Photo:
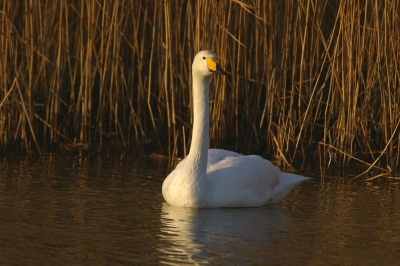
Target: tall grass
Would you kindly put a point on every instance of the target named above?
(310, 79)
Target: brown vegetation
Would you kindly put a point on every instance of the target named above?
(310, 78)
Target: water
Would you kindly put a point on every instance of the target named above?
(65, 209)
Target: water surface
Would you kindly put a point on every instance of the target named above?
(63, 209)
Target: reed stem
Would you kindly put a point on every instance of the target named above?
(306, 71)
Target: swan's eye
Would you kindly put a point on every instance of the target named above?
(204, 57)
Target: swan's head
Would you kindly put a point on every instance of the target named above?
(205, 64)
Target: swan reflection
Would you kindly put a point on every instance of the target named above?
(200, 236)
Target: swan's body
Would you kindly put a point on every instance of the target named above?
(220, 178)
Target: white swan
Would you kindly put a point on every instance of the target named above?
(220, 178)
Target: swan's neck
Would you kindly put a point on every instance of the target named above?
(198, 153)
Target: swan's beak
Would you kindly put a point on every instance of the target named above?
(213, 66)
(220, 71)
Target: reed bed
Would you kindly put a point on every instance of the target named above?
(308, 79)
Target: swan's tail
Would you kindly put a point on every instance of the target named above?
(287, 182)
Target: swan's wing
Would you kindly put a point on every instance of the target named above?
(241, 181)
(287, 182)
(216, 155)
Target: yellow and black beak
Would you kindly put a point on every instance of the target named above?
(213, 66)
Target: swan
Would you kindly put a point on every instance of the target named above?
(208, 178)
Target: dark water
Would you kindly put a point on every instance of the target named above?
(63, 209)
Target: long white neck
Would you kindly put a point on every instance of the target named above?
(199, 147)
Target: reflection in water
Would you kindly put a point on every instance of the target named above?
(337, 222)
(193, 235)
(79, 209)
(107, 209)
(178, 228)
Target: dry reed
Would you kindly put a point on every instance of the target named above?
(306, 76)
